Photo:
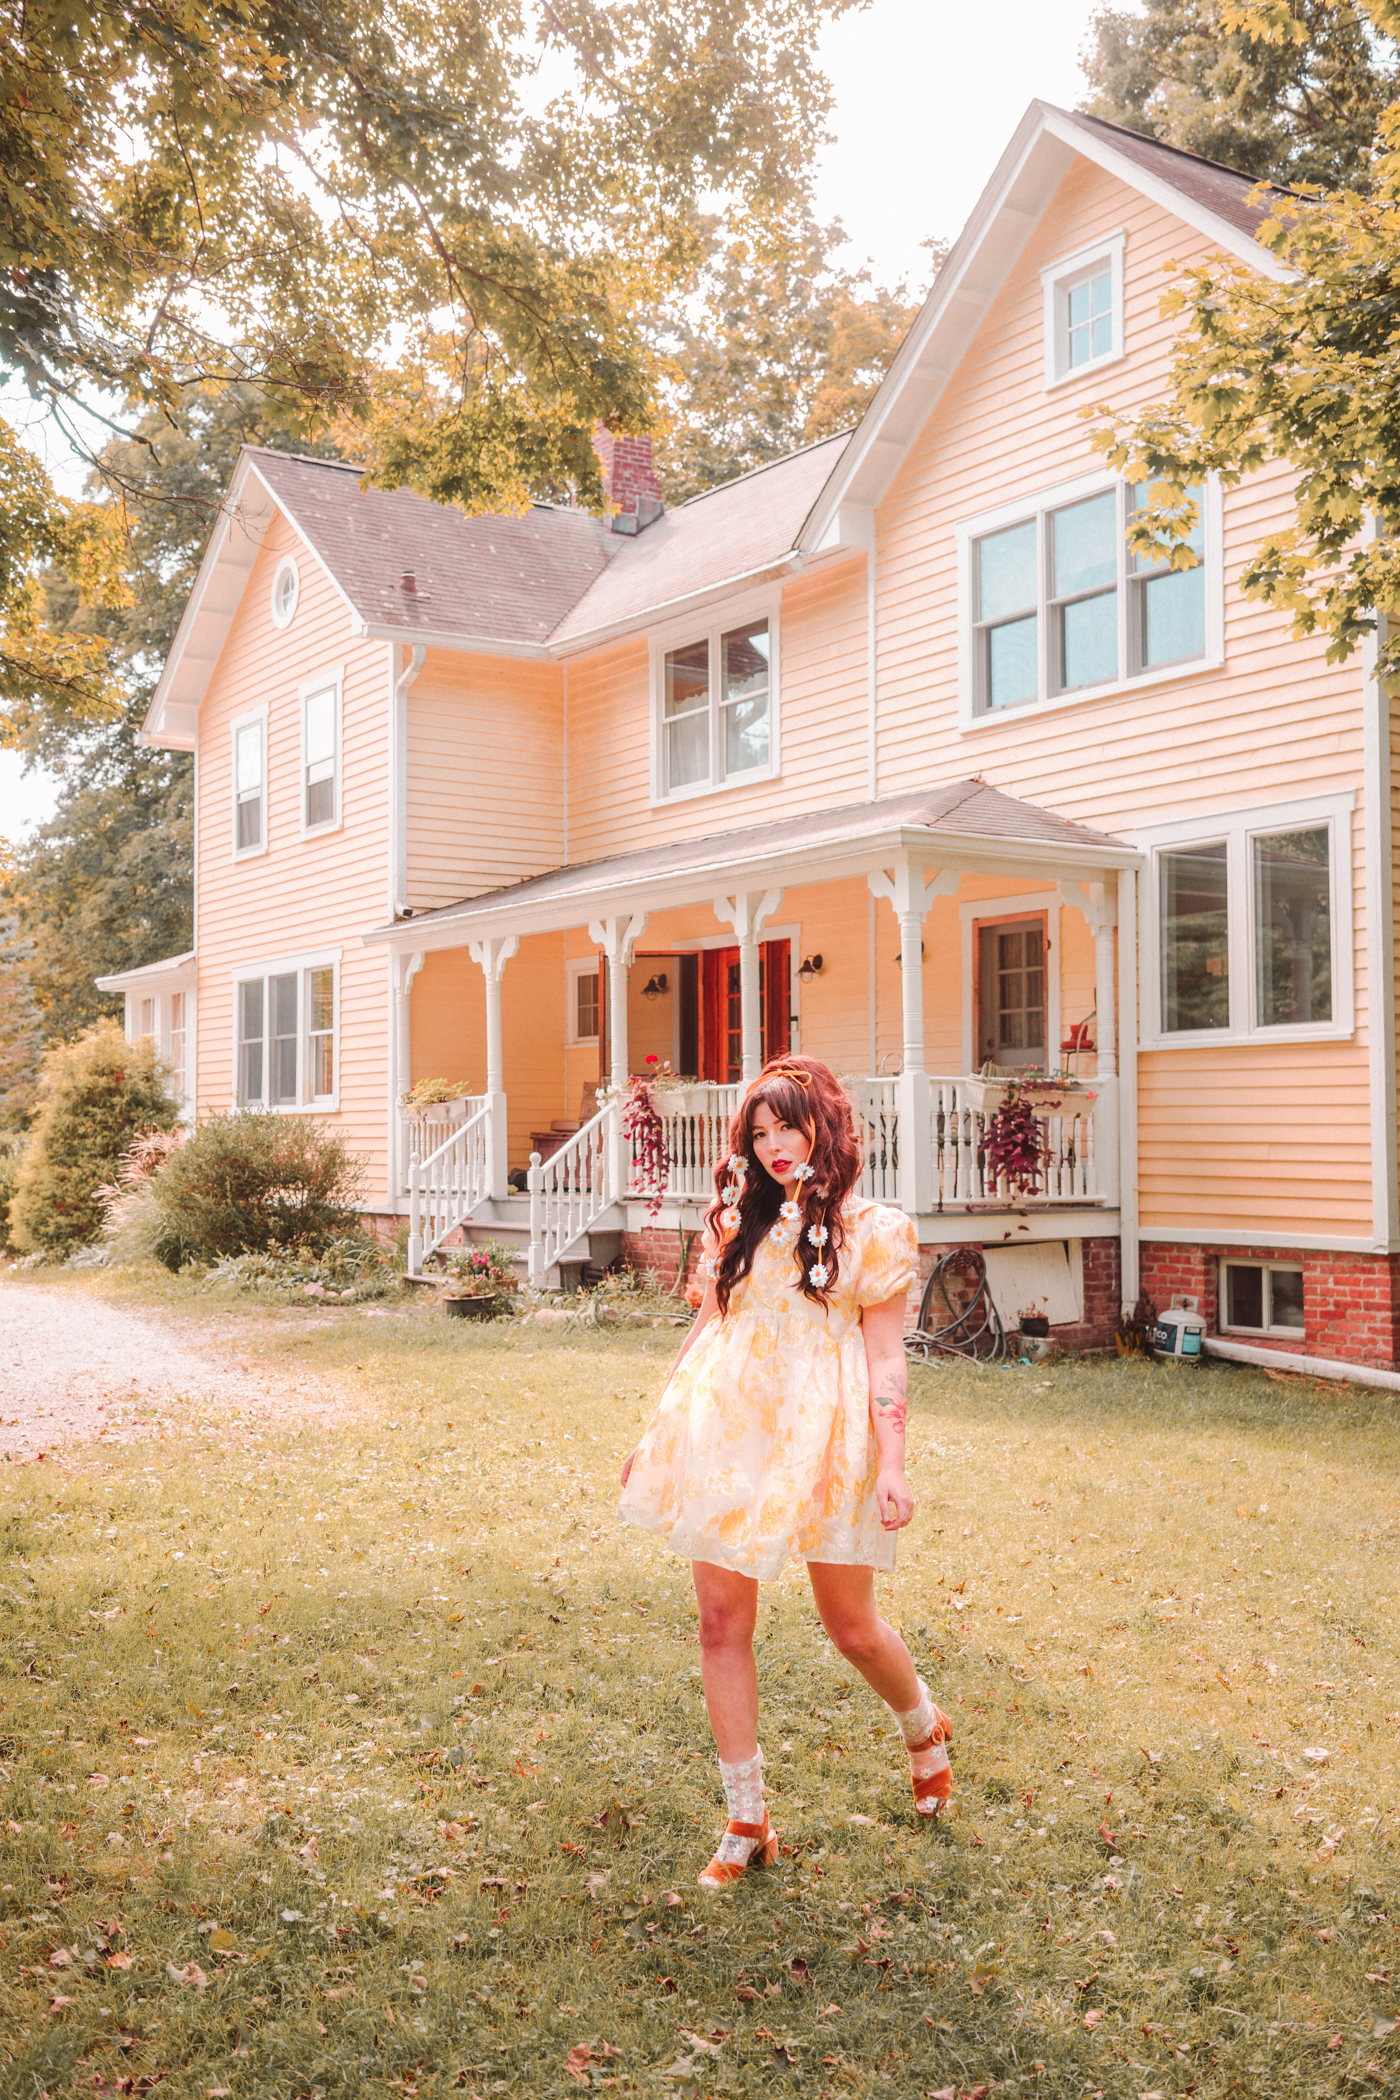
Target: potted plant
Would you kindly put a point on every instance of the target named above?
(1013, 1144)
(1053, 1095)
(674, 1093)
(482, 1282)
(445, 1099)
(1033, 1322)
(1133, 1334)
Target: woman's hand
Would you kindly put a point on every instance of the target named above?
(627, 1464)
(893, 1498)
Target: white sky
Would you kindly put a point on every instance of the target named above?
(927, 94)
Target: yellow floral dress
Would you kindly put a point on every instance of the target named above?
(760, 1450)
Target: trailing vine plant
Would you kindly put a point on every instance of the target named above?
(1013, 1146)
(641, 1122)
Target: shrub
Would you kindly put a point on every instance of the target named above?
(132, 1223)
(11, 1149)
(251, 1181)
(95, 1094)
(352, 1269)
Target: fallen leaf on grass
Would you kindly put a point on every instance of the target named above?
(595, 1881)
(120, 1961)
(191, 1973)
(221, 1942)
(1381, 2028)
(746, 1992)
(1317, 1756)
(1330, 1843)
(829, 2012)
(58, 2004)
(799, 1971)
(60, 1958)
(1092, 2019)
(1336, 2042)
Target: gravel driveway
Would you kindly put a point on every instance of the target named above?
(72, 1369)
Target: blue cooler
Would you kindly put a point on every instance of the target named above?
(1180, 1332)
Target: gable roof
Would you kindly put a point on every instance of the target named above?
(965, 820)
(1205, 195)
(553, 581)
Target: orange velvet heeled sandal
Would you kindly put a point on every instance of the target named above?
(929, 1768)
(721, 1872)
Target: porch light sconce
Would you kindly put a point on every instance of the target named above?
(899, 954)
(654, 986)
(809, 967)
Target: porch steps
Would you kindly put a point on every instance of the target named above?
(507, 1220)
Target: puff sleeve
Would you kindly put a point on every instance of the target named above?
(889, 1256)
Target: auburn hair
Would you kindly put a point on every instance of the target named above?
(805, 1093)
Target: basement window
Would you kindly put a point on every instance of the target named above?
(1261, 1297)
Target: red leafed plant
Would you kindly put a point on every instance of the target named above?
(1014, 1144)
(643, 1125)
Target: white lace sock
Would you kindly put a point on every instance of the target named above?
(917, 1726)
(743, 1797)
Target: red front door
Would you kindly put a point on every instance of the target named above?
(720, 1029)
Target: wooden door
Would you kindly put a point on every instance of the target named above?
(1011, 956)
(719, 1032)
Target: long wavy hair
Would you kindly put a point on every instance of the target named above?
(806, 1093)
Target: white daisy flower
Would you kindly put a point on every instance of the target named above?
(818, 1235)
(789, 1213)
(819, 1274)
(804, 1172)
(730, 1192)
(729, 1219)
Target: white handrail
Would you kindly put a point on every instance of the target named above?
(446, 1187)
(875, 1112)
(570, 1190)
(1068, 1173)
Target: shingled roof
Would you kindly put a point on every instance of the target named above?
(1224, 191)
(960, 809)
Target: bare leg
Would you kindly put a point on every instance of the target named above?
(728, 1614)
(845, 1598)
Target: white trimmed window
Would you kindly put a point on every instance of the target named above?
(1083, 296)
(1056, 607)
(320, 755)
(1247, 926)
(179, 1045)
(249, 757)
(286, 589)
(1261, 1297)
(584, 981)
(715, 706)
(285, 1033)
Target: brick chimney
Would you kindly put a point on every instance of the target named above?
(634, 494)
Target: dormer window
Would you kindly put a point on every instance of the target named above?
(1083, 310)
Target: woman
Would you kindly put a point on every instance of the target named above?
(780, 1435)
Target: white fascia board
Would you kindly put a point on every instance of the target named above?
(173, 972)
(203, 626)
(306, 540)
(1010, 207)
(1135, 177)
(792, 866)
(465, 644)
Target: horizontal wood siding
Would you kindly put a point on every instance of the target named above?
(485, 775)
(448, 1030)
(1276, 722)
(301, 894)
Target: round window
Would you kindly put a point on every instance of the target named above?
(285, 586)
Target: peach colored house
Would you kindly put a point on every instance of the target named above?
(887, 751)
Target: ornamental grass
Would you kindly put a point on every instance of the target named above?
(374, 1761)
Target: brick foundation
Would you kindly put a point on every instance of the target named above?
(657, 1249)
(1351, 1302)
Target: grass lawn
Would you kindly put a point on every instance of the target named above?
(374, 1759)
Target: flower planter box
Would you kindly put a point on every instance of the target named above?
(438, 1112)
(987, 1095)
(683, 1100)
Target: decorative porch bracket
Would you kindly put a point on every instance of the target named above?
(493, 954)
(911, 890)
(1099, 905)
(748, 912)
(617, 937)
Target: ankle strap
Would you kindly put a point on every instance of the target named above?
(747, 1830)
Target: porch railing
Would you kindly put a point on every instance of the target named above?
(945, 1160)
(571, 1189)
(446, 1184)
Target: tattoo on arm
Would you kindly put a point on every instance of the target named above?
(890, 1394)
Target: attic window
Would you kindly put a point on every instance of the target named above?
(1083, 310)
(286, 589)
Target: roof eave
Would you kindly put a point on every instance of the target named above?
(464, 644)
(821, 861)
(1001, 222)
(673, 608)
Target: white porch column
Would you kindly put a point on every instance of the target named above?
(911, 890)
(1099, 904)
(403, 970)
(617, 937)
(748, 912)
(493, 954)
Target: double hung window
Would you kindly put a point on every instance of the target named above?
(286, 1030)
(250, 784)
(1061, 607)
(320, 757)
(584, 991)
(179, 1043)
(1252, 924)
(716, 722)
